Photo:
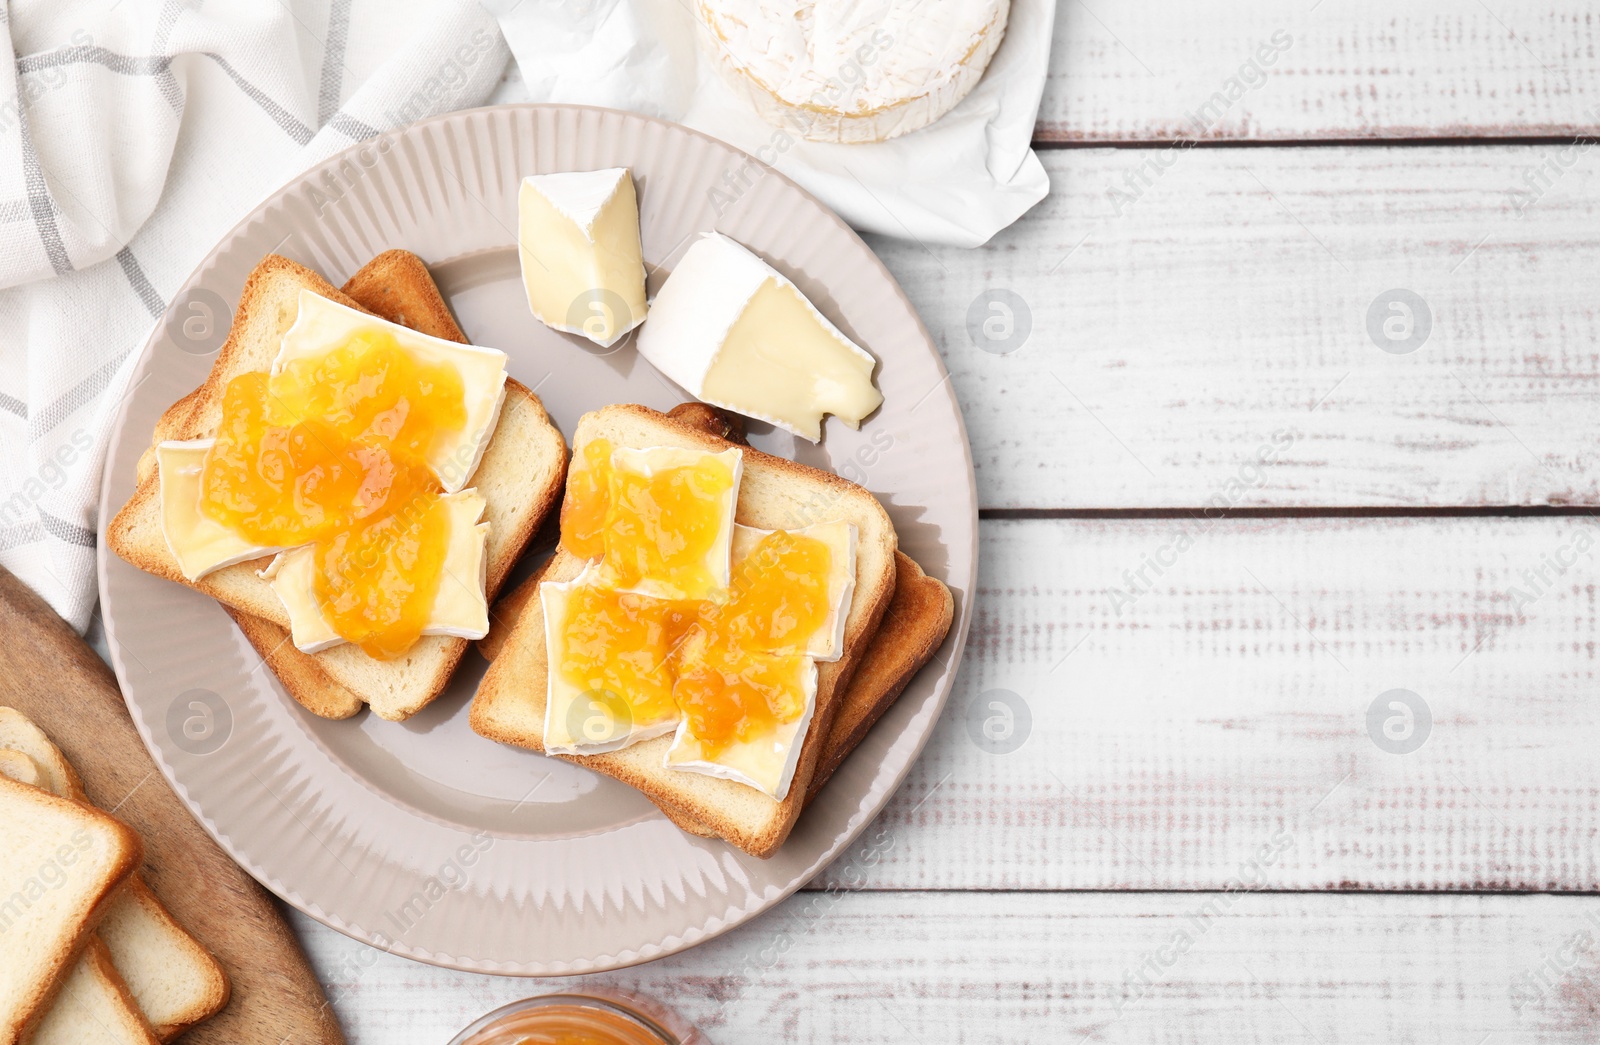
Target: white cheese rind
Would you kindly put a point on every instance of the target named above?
(322, 325)
(579, 196)
(199, 543)
(460, 607)
(844, 71)
(696, 310)
(766, 764)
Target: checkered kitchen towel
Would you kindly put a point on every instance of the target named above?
(133, 135)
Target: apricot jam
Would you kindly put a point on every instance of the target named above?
(625, 644)
(333, 451)
(730, 695)
(583, 512)
(657, 525)
(736, 668)
(778, 596)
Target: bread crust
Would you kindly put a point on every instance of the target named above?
(127, 852)
(768, 497)
(914, 626)
(397, 286)
(18, 734)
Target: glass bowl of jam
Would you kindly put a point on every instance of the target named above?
(612, 1018)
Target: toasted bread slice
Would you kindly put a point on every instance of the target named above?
(912, 630)
(520, 477)
(94, 1006)
(173, 979)
(773, 494)
(60, 866)
(913, 627)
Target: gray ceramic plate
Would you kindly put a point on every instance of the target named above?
(421, 837)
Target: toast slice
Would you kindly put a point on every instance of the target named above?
(520, 477)
(94, 1007)
(174, 981)
(913, 628)
(61, 864)
(773, 494)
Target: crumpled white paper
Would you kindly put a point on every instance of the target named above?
(958, 181)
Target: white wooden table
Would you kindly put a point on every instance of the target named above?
(1227, 511)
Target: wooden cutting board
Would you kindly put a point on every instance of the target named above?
(49, 674)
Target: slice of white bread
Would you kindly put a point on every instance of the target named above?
(773, 494)
(520, 477)
(94, 1007)
(913, 628)
(94, 1004)
(173, 979)
(60, 866)
(22, 769)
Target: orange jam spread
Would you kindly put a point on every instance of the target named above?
(333, 451)
(647, 525)
(733, 663)
(583, 512)
(778, 596)
(624, 644)
(729, 695)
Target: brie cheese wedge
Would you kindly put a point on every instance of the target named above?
(323, 325)
(845, 71)
(735, 333)
(582, 262)
(200, 543)
(460, 607)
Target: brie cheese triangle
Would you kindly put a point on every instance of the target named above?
(737, 334)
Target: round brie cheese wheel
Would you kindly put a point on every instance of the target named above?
(853, 71)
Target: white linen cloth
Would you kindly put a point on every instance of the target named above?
(957, 181)
(134, 134)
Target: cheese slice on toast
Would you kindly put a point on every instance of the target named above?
(520, 477)
(774, 494)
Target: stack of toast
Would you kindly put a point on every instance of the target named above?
(520, 476)
(897, 619)
(88, 954)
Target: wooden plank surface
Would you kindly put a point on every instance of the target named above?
(1164, 726)
(1237, 309)
(899, 968)
(1148, 70)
